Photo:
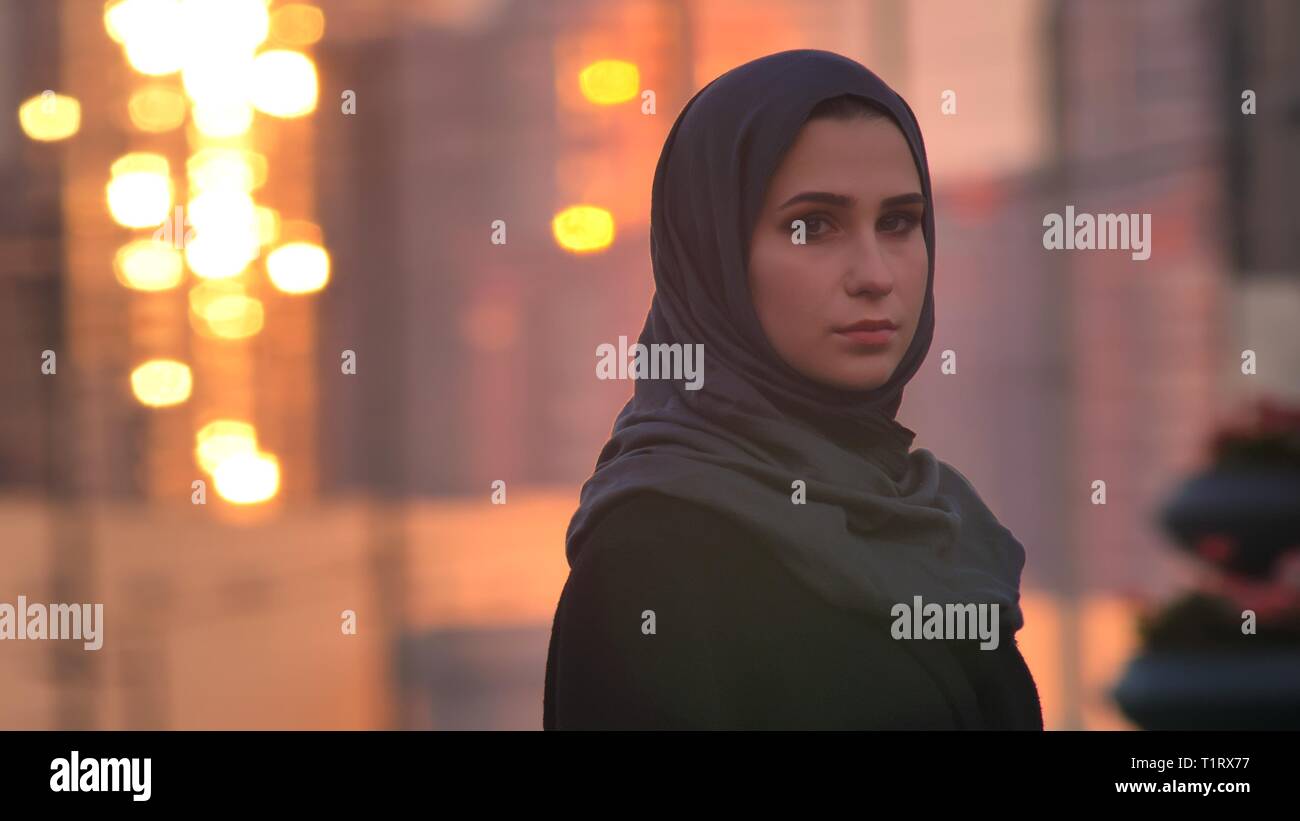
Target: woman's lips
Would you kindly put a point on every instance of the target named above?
(881, 336)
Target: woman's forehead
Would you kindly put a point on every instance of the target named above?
(868, 156)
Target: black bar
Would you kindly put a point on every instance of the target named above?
(1007, 773)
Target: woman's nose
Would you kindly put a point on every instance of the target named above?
(867, 271)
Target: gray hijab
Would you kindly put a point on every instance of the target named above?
(881, 523)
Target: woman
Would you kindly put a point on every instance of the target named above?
(747, 554)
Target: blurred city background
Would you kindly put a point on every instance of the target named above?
(250, 244)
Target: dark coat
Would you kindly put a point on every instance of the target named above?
(740, 643)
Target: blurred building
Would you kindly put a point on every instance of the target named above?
(475, 360)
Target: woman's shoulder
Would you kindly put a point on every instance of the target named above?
(651, 535)
(668, 521)
(632, 643)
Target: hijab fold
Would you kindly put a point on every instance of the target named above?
(881, 523)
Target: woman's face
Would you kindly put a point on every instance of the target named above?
(855, 186)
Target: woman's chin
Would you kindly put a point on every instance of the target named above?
(855, 378)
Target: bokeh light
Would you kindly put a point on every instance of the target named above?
(298, 267)
(150, 32)
(268, 225)
(247, 478)
(117, 18)
(610, 82)
(156, 109)
(161, 382)
(214, 76)
(225, 169)
(231, 317)
(49, 116)
(297, 24)
(140, 190)
(221, 439)
(222, 309)
(226, 234)
(229, 26)
(148, 265)
(222, 118)
(206, 292)
(284, 83)
(583, 228)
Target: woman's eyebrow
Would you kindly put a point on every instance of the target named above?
(903, 199)
(845, 201)
(826, 197)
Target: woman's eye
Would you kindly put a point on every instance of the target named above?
(812, 221)
(898, 223)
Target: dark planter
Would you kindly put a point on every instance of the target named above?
(1197, 669)
(1212, 690)
(1240, 519)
